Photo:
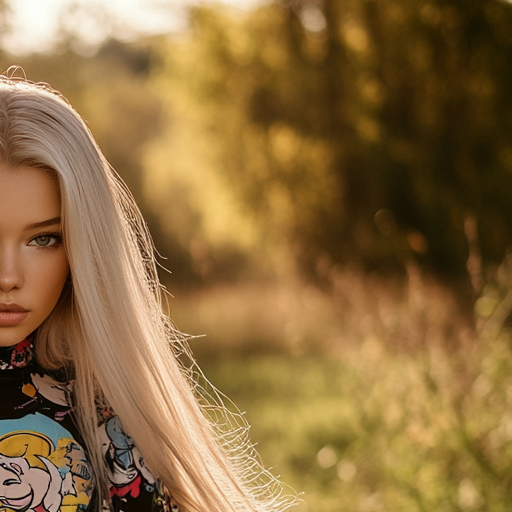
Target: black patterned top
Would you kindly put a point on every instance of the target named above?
(43, 460)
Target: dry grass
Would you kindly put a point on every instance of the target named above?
(371, 394)
(297, 318)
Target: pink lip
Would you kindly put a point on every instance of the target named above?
(12, 308)
(12, 314)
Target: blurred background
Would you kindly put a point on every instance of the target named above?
(330, 184)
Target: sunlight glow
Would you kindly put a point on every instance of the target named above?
(34, 25)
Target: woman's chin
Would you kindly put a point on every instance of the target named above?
(10, 336)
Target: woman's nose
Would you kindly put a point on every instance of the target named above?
(11, 274)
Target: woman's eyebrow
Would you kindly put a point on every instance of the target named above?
(44, 223)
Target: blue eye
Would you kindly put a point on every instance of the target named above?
(46, 240)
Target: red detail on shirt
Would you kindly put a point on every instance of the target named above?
(22, 353)
(133, 488)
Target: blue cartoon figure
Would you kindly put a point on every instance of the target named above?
(126, 467)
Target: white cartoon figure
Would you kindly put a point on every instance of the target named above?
(44, 386)
(29, 480)
(54, 391)
(23, 488)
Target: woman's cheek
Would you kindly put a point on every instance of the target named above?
(51, 276)
(59, 274)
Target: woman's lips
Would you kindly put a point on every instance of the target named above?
(11, 318)
(12, 314)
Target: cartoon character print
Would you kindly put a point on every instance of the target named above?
(76, 476)
(36, 476)
(43, 387)
(75, 471)
(162, 500)
(29, 488)
(127, 470)
(20, 356)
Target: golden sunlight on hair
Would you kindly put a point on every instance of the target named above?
(138, 410)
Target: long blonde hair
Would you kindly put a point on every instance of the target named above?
(109, 325)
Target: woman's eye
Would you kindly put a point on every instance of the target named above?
(45, 240)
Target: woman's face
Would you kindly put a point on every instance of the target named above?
(33, 263)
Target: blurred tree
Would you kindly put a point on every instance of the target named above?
(347, 130)
(308, 131)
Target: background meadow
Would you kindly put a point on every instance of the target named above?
(330, 184)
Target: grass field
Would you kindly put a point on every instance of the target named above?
(410, 415)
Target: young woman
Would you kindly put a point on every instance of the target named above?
(96, 411)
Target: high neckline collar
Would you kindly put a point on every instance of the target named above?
(17, 356)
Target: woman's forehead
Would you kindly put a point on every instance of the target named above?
(27, 196)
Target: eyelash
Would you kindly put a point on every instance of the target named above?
(56, 236)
